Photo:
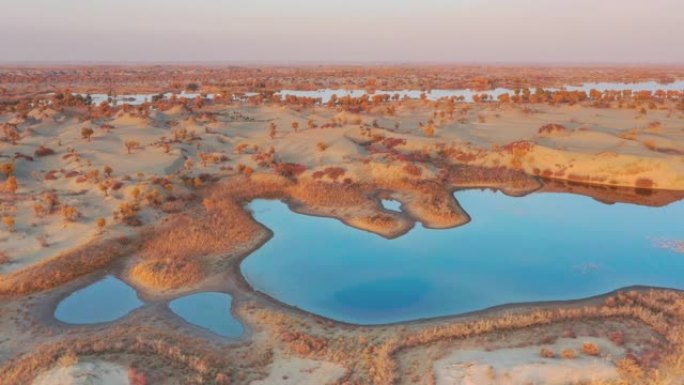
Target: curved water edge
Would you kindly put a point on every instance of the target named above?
(210, 311)
(106, 300)
(501, 257)
(110, 299)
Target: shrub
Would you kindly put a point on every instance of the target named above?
(43, 151)
(7, 168)
(87, 133)
(412, 169)
(289, 170)
(590, 349)
(322, 146)
(546, 353)
(11, 184)
(9, 222)
(617, 338)
(127, 212)
(551, 128)
(650, 144)
(568, 353)
(70, 213)
(644, 183)
(131, 145)
(101, 223)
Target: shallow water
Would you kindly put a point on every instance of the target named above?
(542, 247)
(326, 94)
(103, 301)
(210, 311)
(391, 204)
(138, 99)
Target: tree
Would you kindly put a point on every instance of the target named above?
(69, 213)
(87, 133)
(108, 171)
(131, 145)
(101, 223)
(104, 187)
(11, 184)
(273, 130)
(9, 222)
(11, 134)
(295, 126)
(7, 168)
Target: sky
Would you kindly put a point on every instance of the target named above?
(343, 31)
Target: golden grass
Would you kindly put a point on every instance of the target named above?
(150, 350)
(166, 273)
(66, 267)
(662, 311)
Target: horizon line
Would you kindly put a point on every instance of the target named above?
(368, 63)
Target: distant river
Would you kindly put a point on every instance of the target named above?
(326, 94)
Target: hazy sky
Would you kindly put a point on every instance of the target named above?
(343, 30)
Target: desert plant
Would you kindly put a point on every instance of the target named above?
(7, 168)
(11, 184)
(101, 223)
(9, 222)
(273, 130)
(568, 353)
(546, 353)
(590, 349)
(39, 210)
(70, 213)
(43, 151)
(131, 145)
(87, 133)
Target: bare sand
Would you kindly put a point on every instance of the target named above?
(95, 372)
(525, 366)
(300, 371)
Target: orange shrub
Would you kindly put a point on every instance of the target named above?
(590, 349)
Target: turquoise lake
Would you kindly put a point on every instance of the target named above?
(542, 247)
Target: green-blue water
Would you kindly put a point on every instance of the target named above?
(537, 248)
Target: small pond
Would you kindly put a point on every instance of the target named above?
(103, 301)
(210, 311)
